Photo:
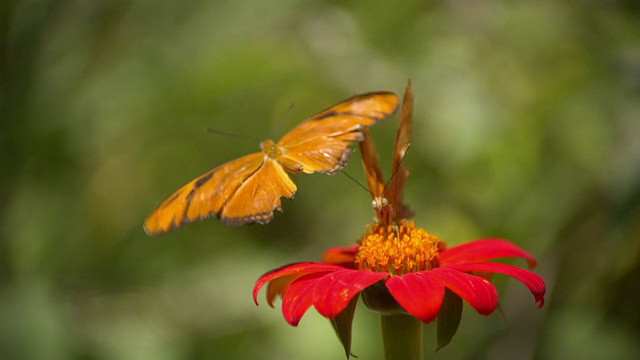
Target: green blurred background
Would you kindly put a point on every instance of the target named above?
(527, 126)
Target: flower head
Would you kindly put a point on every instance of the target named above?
(397, 267)
(398, 249)
(415, 270)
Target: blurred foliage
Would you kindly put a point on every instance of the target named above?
(527, 120)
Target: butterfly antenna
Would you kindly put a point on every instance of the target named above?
(395, 171)
(356, 181)
(282, 121)
(225, 133)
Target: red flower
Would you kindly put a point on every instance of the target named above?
(397, 268)
(414, 270)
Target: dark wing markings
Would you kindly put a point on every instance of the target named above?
(334, 113)
(242, 220)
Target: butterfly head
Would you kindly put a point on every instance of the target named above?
(271, 149)
(379, 202)
(384, 212)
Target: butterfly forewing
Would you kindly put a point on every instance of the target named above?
(374, 105)
(203, 196)
(321, 143)
(403, 138)
(348, 116)
(371, 165)
(375, 179)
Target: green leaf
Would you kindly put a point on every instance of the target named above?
(342, 324)
(502, 314)
(448, 318)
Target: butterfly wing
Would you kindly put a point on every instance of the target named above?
(321, 143)
(212, 193)
(259, 194)
(375, 180)
(399, 177)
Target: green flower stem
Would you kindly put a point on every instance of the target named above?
(402, 337)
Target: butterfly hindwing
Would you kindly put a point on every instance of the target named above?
(258, 196)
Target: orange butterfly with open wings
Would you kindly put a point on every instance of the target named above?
(387, 199)
(248, 189)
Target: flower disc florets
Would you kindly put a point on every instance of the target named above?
(398, 249)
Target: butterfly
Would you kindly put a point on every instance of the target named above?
(248, 189)
(388, 199)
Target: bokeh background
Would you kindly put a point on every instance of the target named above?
(527, 127)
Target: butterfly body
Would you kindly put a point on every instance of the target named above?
(248, 189)
(383, 210)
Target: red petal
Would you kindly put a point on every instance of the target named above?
(477, 291)
(299, 297)
(484, 249)
(292, 269)
(530, 280)
(278, 286)
(419, 295)
(334, 291)
(344, 256)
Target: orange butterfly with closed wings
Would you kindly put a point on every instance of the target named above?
(247, 190)
(387, 199)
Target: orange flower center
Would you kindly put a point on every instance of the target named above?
(398, 249)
